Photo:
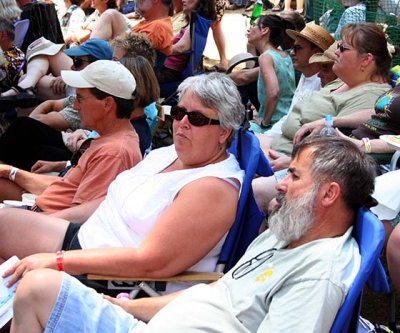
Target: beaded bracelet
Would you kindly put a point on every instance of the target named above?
(367, 145)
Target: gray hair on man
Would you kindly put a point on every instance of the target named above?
(339, 160)
(218, 92)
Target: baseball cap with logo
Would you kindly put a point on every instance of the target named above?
(97, 48)
(108, 76)
(42, 46)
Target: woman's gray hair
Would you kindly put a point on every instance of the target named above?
(218, 92)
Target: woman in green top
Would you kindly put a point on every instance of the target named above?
(276, 83)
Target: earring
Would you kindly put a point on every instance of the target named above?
(362, 69)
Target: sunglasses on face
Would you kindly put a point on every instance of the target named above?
(196, 118)
(78, 62)
(342, 48)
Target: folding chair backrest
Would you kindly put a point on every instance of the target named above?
(369, 234)
(199, 27)
(246, 148)
(21, 28)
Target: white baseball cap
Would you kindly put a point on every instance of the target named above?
(108, 76)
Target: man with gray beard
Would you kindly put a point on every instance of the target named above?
(293, 277)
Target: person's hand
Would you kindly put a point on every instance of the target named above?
(48, 166)
(58, 85)
(123, 303)
(277, 161)
(35, 261)
(307, 129)
(74, 140)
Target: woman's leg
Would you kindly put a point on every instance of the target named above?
(34, 300)
(288, 4)
(110, 25)
(23, 233)
(220, 42)
(393, 257)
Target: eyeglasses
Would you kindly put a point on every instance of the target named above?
(196, 118)
(78, 62)
(342, 48)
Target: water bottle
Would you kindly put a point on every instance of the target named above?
(257, 10)
(328, 130)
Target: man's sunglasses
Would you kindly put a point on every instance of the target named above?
(78, 62)
(342, 48)
(196, 118)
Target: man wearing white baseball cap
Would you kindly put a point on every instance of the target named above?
(104, 100)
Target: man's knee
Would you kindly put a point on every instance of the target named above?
(36, 285)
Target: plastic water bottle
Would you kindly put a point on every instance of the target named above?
(328, 130)
(257, 10)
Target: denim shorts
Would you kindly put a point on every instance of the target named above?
(81, 309)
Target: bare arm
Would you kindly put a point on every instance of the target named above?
(377, 146)
(30, 182)
(145, 308)
(183, 44)
(245, 76)
(185, 232)
(350, 121)
(48, 113)
(79, 213)
(271, 86)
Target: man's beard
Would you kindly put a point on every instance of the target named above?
(293, 219)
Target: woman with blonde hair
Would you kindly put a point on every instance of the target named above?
(9, 10)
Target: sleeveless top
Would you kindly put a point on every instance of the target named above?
(137, 197)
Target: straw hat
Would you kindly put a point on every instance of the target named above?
(314, 34)
(42, 46)
(328, 56)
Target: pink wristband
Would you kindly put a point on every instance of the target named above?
(60, 260)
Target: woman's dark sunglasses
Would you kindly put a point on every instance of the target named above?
(342, 48)
(196, 118)
(78, 62)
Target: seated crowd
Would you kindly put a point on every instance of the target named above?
(119, 207)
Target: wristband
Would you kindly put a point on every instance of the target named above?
(12, 174)
(60, 260)
(367, 145)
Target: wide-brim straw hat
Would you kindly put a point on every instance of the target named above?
(42, 46)
(314, 34)
(327, 57)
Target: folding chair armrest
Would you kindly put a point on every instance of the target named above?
(183, 277)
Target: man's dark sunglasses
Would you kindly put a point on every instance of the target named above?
(78, 61)
(196, 118)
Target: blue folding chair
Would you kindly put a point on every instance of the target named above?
(21, 28)
(199, 27)
(369, 234)
(245, 228)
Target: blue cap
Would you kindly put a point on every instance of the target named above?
(98, 48)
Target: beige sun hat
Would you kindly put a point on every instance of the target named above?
(327, 57)
(314, 34)
(42, 46)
